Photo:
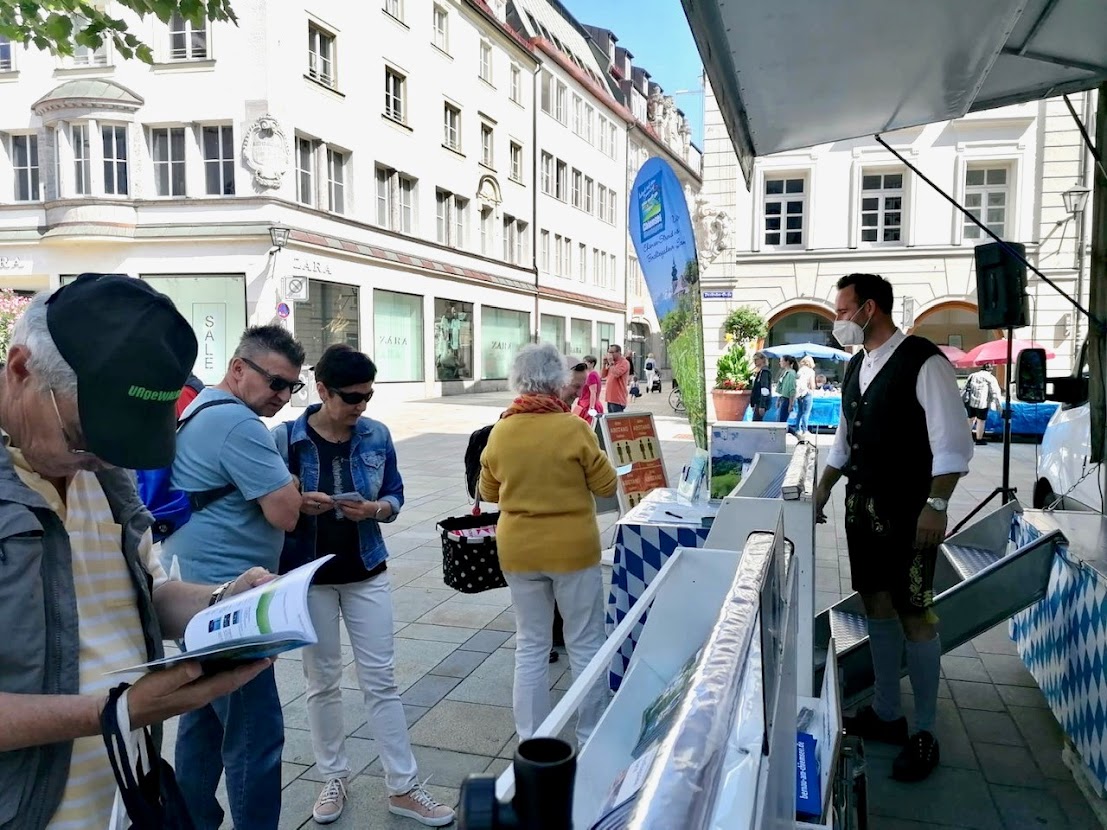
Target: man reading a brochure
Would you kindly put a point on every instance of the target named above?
(86, 394)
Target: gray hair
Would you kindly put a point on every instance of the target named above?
(539, 369)
(46, 362)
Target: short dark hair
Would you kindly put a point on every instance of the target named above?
(257, 340)
(342, 366)
(589, 358)
(869, 287)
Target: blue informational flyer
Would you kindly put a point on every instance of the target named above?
(809, 799)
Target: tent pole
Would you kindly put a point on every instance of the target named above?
(1097, 299)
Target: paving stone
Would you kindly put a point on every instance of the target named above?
(465, 727)
(409, 603)
(964, 668)
(1073, 804)
(992, 727)
(290, 772)
(403, 571)
(297, 801)
(414, 658)
(462, 614)
(943, 687)
(428, 690)
(411, 715)
(1008, 765)
(954, 797)
(460, 663)
(1022, 696)
(1045, 738)
(497, 596)
(491, 682)
(445, 767)
(504, 622)
(486, 641)
(1029, 808)
(498, 766)
(969, 695)
(437, 633)
(353, 712)
(1008, 670)
(963, 650)
(361, 752)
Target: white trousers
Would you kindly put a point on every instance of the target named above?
(366, 608)
(579, 596)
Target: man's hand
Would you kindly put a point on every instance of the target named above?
(315, 503)
(822, 496)
(932, 528)
(251, 579)
(172, 691)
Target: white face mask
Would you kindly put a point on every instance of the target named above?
(849, 333)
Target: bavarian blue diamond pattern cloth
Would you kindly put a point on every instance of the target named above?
(1063, 641)
(640, 552)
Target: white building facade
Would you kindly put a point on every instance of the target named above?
(813, 215)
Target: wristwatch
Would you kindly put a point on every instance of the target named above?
(218, 594)
(937, 504)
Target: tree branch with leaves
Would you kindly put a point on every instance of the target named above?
(60, 26)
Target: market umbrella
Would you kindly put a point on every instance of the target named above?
(952, 353)
(815, 350)
(995, 351)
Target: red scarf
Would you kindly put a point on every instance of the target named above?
(535, 405)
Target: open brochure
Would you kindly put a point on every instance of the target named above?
(262, 622)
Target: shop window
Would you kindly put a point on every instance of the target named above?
(398, 336)
(329, 316)
(502, 334)
(606, 333)
(453, 340)
(580, 337)
(552, 331)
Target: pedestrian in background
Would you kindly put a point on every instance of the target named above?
(980, 395)
(616, 371)
(786, 388)
(761, 398)
(805, 398)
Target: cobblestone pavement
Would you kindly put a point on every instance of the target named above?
(1001, 747)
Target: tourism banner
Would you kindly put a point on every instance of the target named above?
(666, 245)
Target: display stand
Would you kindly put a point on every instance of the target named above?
(631, 442)
(734, 445)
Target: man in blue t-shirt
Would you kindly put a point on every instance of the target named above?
(227, 444)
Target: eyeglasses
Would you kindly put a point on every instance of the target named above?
(65, 433)
(352, 398)
(276, 382)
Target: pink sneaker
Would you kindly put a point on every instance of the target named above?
(421, 806)
(331, 801)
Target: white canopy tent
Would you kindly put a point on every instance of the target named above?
(795, 73)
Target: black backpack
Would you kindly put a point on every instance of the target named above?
(477, 442)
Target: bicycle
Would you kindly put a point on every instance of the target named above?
(676, 400)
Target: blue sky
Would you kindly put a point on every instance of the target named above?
(656, 32)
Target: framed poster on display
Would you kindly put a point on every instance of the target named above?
(631, 441)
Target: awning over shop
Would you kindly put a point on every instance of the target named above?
(795, 73)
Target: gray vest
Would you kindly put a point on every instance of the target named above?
(39, 646)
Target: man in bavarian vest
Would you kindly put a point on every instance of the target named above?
(902, 445)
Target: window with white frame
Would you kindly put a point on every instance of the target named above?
(305, 170)
(516, 161)
(547, 174)
(568, 258)
(451, 126)
(321, 55)
(589, 118)
(82, 159)
(546, 85)
(452, 217)
(442, 221)
(167, 151)
(7, 56)
(514, 240)
(559, 267)
(582, 262)
(336, 181)
(599, 263)
(544, 251)
(602, 213)
(611, 272)
(116, 178)
(987, 193)
(441, 21)
(516, 90)
(602, 126)
(218, 147)
(578, 188)
(394, 94)
(395, 200)
(882, 207)
(612, 140)
(562, 183)
(559, 103)
(487, 231)
(611, 200)
(785, 210)
(187, 41)
(589, 194)
(486, 61)
(487, 145)
(24, 153)
(87, 55)
(395, 8)
(578, 115)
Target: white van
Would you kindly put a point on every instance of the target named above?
(1065, 478)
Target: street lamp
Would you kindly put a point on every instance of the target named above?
(279, 236)
(1075, 198)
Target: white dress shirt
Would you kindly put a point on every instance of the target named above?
(938, 395)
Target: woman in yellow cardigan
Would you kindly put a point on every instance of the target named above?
(542, 466)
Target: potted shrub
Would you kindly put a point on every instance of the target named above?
(731, 395)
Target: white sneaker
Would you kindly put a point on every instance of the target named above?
(421, 806)
(331, 801)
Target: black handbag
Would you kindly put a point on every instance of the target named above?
(152, 797)
(470, 562)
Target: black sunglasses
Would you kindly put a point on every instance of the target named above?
(352, 398)
(276, 382)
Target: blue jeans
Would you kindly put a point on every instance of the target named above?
(244, 734)
(803, 413)
(784, 407)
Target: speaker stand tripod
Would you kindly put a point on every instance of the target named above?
(1005, 490)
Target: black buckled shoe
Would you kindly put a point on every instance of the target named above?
(918, 758)
(869, 726)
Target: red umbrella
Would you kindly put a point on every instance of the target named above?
(995, 351)
(952, 353)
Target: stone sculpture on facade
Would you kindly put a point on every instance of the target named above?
(712, 227)
(265, 150)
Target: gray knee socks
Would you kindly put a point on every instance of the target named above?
(924, 660)
(886, 645)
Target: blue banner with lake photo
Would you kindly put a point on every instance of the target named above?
(662, 233)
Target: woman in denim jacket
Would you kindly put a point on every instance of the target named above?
(347, 468)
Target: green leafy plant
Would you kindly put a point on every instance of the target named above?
(733, 371)
(59, 26)
(744, 325)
